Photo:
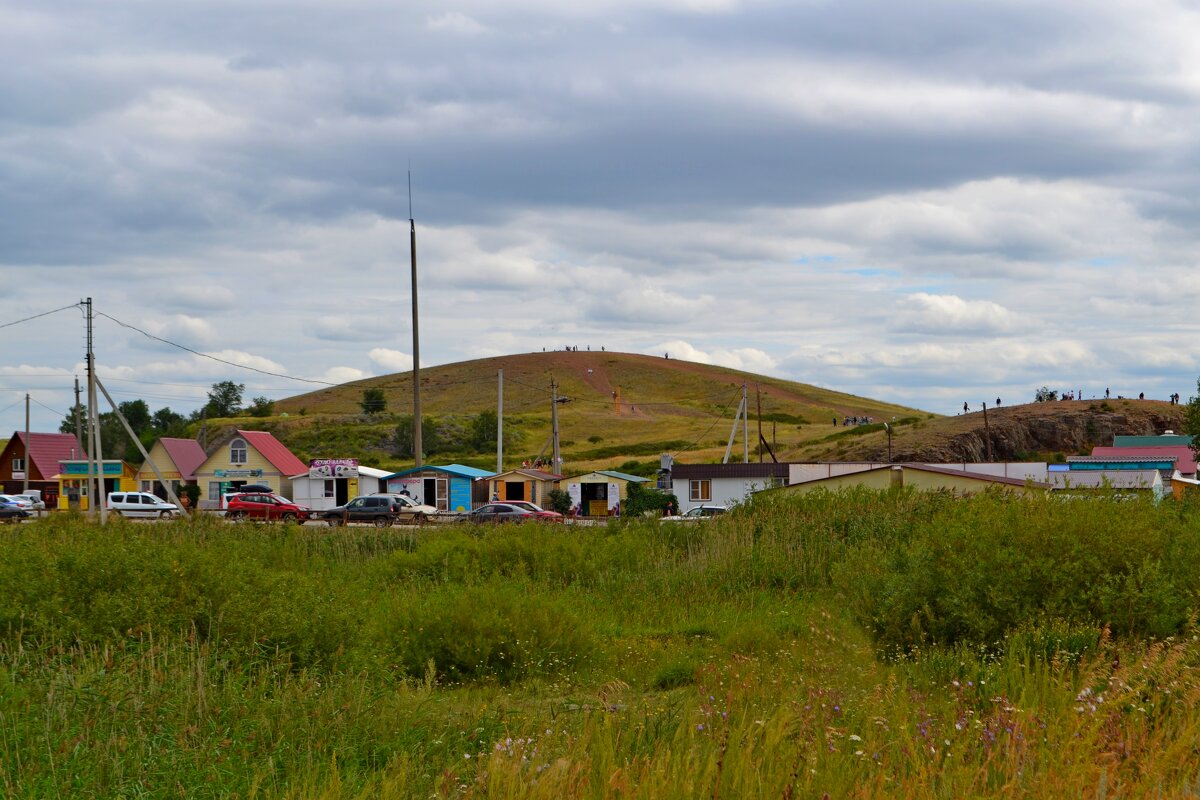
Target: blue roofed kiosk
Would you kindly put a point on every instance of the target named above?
(453, 487)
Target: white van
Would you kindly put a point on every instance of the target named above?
(140, 504)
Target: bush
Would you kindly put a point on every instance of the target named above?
(558, 500)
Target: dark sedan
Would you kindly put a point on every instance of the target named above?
(11, 512)
(380, 510)
(497, 513)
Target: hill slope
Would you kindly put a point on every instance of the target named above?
(621, 406)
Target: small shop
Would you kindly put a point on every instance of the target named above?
(73, 481)
(453, 487)
(599, 493)
(176, 460)
(530, 485)
(332, 482)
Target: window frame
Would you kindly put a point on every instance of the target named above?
(234, 451)
(700, 490)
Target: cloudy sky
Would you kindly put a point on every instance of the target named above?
(928, 202)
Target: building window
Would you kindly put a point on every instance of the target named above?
(701, 491)
(18, 465)
(330, 489)
(237, 451)
(214, 490)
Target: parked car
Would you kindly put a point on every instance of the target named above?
(10, 511)
(542, 514)
(409, 506)
(35, 498)
(266, 507)
(381, 510)
(140, 505)
(697, 514)
(497, 513)
(20, 501)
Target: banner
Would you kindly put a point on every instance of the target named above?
(576, 494)
(333, 468)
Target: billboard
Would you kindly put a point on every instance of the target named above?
(333, 468)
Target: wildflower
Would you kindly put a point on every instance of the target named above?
(854, 737)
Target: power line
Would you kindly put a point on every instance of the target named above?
(35, 316)
(13, 405)
(48, 408)
(212, 357)
(725, 408)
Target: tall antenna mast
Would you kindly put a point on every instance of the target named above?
(418, 456)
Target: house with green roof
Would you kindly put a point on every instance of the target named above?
(599, 493)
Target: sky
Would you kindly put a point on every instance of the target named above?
(929, 203)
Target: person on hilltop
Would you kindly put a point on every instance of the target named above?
(966, 408)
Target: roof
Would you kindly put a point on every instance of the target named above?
(459, 470)
(612, 473)
(1185, 460)
(1116, 479)
(1163, 440)
(273, 451)
(952, 471)
(689, 471)
(536, 474)
(45, 450)
(186, 453)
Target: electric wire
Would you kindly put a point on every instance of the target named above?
(35, 316)
(212, 357)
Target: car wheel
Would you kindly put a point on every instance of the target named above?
(335, 522)
(288, 516)
(420, 519)
(236, 516)
(382, 522)
(164, 515)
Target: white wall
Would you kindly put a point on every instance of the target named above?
(725, 491)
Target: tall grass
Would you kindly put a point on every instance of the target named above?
(856, 644)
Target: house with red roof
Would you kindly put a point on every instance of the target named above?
(176, 460)
(255, 457)
(40, 458)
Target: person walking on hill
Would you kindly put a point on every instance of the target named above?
(966, 409)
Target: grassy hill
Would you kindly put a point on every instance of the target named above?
(622, 408)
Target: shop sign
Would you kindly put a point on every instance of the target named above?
(238, 473)
(333, 468)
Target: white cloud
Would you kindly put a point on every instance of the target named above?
(747, 359)
(344, 374)
(455, 22)
(185, 329)
(391, 360)
(949, 314)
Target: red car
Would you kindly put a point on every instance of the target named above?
(267, 507)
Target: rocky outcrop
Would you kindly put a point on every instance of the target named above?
(1028, 432)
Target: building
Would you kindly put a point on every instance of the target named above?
(119, 476)
(599, 493)
(1165, 439)
(454, 487)
(723, 484)
(40, 462)
(333, 482)
(246, 457)
(1124, 482)
(1165, 458)
(1021, 470)
(176, 460)
(530, 485)
(922, 477)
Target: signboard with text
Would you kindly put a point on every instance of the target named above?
(333, 468)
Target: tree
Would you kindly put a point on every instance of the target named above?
(1045, 395)
(261, 407)
(167, 423)
(373, 401)
(483, 431)
(558, 500)
(225, 399)
(431, 436)
(640, 499)
(1191, 419)
(137, 414)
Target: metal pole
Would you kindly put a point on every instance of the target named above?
(25, 472)
(554, 423)
(745, 426)
(733, 430)
(90, 440)
(500, 422)
(987, 433)
(142, 450)
(75, 411)
(758, 404)
(416, 370)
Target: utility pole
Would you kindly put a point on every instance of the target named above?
(95, 453)
(554, 424)
(204, 427)
(412, 246)
(25, 472)
(500, 422)
(75, 412)
(758, 415)
(745, 426)
(90, 441)
(987, 433)
(129, 430)
(887, 426)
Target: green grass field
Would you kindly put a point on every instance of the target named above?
(850, 645)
